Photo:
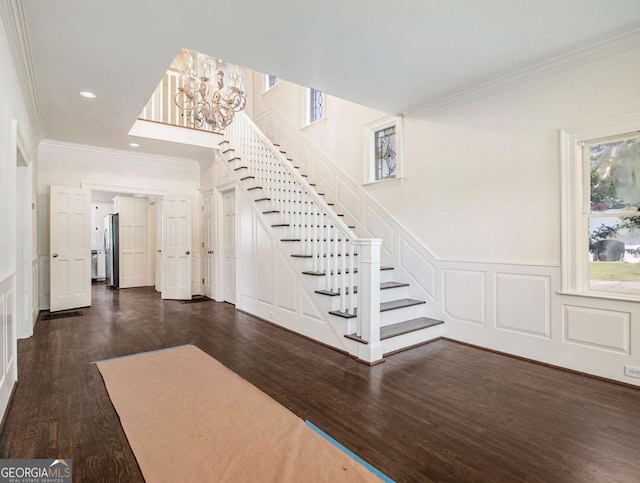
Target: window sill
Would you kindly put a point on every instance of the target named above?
(383, 183)
(318, 123)
(603, 295)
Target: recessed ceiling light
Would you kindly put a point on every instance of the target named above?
(134, 145)
(88, 95)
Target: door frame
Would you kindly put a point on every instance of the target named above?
(219, 283)
(25, 314)
(204, 195)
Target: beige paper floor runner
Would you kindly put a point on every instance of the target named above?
(190, 419)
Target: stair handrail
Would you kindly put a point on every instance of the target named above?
(242, 118)
(365, 307)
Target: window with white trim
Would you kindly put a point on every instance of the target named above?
(271, 81)
(601, 210)
(383, 150)
(315, 105)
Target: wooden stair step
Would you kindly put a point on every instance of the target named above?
(235, 158)
(384, 307)
(309, 226)
(322, 274)
(254, 188)
(407, 326)
(357, 338)
(240, 167)
(383, 286)
(228, 150)
(298, 239)
(262, 199)
(223, 142)
(399, 304)
(304, 255)
(247, 177)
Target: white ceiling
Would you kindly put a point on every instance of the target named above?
(389, 55)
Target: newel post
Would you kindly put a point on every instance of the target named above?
(369, 299)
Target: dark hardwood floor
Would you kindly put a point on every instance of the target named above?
(440, 412)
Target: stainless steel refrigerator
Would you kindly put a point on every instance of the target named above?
(112, 250)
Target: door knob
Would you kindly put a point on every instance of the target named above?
(55, 255)
(159, 251)
(188, 252)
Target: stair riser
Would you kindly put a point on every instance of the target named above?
(410, 339)
(400, 315)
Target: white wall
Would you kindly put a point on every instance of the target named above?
(120, 171)
(481, 201)
(12, 109)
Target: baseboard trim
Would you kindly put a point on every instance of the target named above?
(295, 333)
(546, 364)
(397, 351)
(6, 410)
(367, 363)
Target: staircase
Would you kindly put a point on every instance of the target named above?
(350, 282)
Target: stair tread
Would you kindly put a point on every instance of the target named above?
(323, 226)
(383, 286)
(304, 255)
(357, 338)
(254, 188)
(322, 274)
(407, 326)
(399, 304)
(240, 167)
(384, 307)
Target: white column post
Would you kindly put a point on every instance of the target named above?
(369, 299)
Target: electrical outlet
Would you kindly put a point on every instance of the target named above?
(632, 371)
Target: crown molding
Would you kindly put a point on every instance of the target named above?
(87, 148)
(601, 47)
(15, 25)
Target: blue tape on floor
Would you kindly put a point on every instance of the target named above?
(350, 453)
(140, 353)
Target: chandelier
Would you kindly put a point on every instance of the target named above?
(202, 103)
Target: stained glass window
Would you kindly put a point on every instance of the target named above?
(315, 105)
(272, 80)
(386, 162)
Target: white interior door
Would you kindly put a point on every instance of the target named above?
(229, 229)
(159, 245)
(133, 241)
(208, 247)
(176, 247)
(70, 248)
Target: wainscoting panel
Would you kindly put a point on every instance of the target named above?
(43, 281)
(265, 265)
(222, 174)
(35, 289)
(8, 359)
(325, 176)
(348, 199)
(523, 304)
(464, 295)
(598, 329)
(286, 287)
(416, 265)
(379, 228)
